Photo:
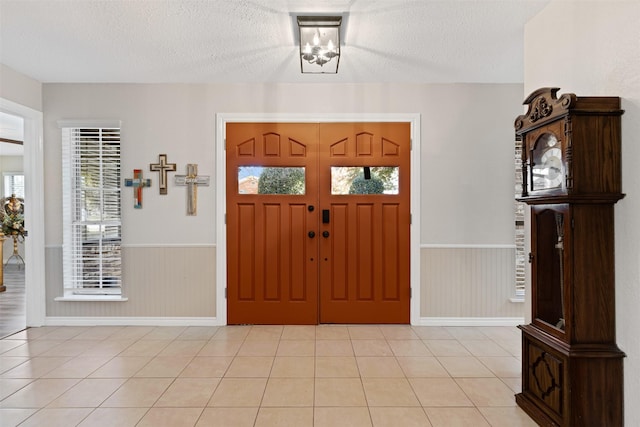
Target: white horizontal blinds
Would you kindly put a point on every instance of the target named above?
(14, 184)
(520, 207)
(93, 236)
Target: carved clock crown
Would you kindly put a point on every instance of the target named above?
(544, 105)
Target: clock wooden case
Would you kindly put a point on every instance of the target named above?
(571, 157)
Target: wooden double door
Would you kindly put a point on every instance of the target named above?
(318, 223)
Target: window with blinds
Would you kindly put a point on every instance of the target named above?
(91, 211)
(14, 184)
(519, 209)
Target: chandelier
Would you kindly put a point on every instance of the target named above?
(319, 43)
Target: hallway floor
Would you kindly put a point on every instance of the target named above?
(13, 317)
(260, 376)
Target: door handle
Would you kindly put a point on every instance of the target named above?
(312, 234)
(325, 234)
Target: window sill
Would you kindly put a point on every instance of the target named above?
(517, 300)
(93, 298)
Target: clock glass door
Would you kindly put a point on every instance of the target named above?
(548, 274)
(544, 156)
(546, 166)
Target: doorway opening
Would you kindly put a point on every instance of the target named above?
(359, 248)
(34, 272)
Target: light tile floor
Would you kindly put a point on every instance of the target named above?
(261, 376)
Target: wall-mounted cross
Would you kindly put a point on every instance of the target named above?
(192, 181)
(138, 183)
(162, 167)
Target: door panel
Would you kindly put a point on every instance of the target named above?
(364, 266)
(355, 268)
(271, 260)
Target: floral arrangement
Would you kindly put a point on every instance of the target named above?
(13, 218)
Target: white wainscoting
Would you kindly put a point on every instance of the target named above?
(465, 285)
(174, 284)
(131, 321)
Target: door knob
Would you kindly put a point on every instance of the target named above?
(312, 234)
(325, 234)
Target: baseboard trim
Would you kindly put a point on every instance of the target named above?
(470, 321)
(465, 246)
(132, 321)
(214, 321)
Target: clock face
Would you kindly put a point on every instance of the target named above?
(546, 163)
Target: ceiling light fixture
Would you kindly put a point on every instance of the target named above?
(319, 43)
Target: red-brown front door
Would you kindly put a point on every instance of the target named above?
(364, 267)
(302, 248)
(272, 268)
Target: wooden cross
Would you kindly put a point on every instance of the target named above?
(162, 167)
(138, 183)
(192, 181)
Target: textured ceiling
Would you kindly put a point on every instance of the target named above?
(244, 41)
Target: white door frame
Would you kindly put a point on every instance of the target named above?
(33, 161)
(221, 230)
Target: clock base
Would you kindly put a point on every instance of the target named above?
(534, 411)
(568, 385)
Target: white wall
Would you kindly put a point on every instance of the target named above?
(176, 120)
(466, 166)
(593, 48)
(467, 148)
(20, 89)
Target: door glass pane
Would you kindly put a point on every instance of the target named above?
(271, 180)
(364, 180)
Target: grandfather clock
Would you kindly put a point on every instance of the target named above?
(571, 365)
